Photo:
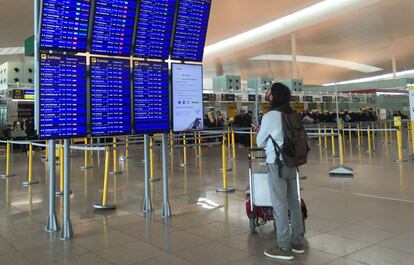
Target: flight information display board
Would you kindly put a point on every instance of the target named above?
(155, 26)
(110, 97)
(64, 25)
(113, 27)
(62, 105)
(151, 97)
(191, 30)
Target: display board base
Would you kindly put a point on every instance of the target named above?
(341, 171)
(400, 161)
(166, 210)
(52, 223)
(67, 231)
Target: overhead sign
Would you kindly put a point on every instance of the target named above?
(187, 90)
(113, 27)
(64, 25)
(151, 97)
(62, 97)
(155, 26)
(110, 97)
(191, 30)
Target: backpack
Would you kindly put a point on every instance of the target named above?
(295, 148)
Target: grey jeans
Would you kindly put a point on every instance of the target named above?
(284, 197)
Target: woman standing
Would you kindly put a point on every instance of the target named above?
(282, 181)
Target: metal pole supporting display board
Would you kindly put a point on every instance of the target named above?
(36, 62)
(67, 231)
(52, 224)
(166, 209)
(147, 207)
(340, 170)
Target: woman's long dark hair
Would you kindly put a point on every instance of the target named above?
(281, 98)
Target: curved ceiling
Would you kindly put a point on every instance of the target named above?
(370, 34)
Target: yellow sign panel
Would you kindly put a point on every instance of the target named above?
(231, 110)
(397, 121)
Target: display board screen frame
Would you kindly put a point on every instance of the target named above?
(172, 97)
(85, 100)
(92, 30)
(175, 30)
(90, 100)
(137, 19)
(59, 49)
(169, 99)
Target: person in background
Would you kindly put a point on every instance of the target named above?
(219, 119)
(282, 181)
(260, 118)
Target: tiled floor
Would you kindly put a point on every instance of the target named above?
(368, 219)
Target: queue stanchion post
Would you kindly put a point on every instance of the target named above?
(115, 158)
(171, 142)
(341, 170)
(184, 164)
(319, 135)
(166, 208)
(359, 135)
(199, 154)
(7, 174)
(400, 158)
(225, 188)
(151, 152)
(369, 139)
(85, 162)
(61, 170)
(105, 204)
(350, 132)
(386, 134)
(391, 134)
(325, 138)
(373, 138)
(251, 137)
(125, 157)
(233, 145)
(412, 139)
(147, 205)
(333, 142)
(30, 180)
(91, 151)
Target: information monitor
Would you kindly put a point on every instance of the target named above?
(110, 97)
(62, 97)
(187, 91)
(64, 25)
(151, 97)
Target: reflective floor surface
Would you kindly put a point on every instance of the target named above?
(367, 219)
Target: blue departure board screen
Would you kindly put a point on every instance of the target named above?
(151, 97)
(110, 97)
(64, 25)
(62, 96)
(191, 30)
(113, 27)
(155, 25)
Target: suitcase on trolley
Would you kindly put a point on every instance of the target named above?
(259, 208)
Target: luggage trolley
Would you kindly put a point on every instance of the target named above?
(259, 208)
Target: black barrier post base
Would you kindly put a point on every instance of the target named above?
(29, 183)
(225, 190)
(99, 206)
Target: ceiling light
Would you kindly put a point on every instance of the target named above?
(11, 50)
(306, 17)
(320, 60)
(403, 74)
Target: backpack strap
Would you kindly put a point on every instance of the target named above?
(278, 151)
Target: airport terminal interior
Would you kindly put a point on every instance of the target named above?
(128, 130)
